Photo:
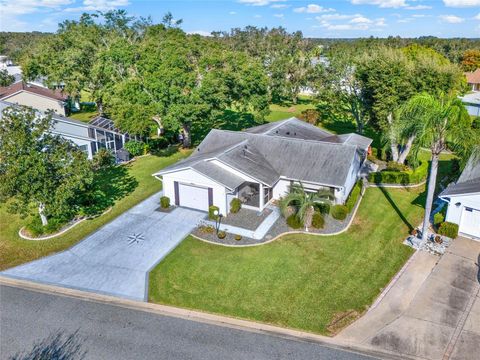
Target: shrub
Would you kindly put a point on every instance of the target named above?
(159, 143)
(395, 166)
(206, 229)
(448, 229)
(317, 220)
(35, 227)
(238, 237)
(235, 205)
(438, 218)
(339, 212)
(294, 222)
(135, 148)
(103, 159)
(311, 116)
(354, 194)
(165, 202)
(323, 208)
(211, 212)
(222, 234)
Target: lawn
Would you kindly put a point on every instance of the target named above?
(307, 282)
(288, 110)
(84, 116)
(135, 184)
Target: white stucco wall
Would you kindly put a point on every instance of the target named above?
(454, 212)
(190, 176)
(342, 194)
(38, 102)
(281, 188)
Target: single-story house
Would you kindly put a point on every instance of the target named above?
(89, 137)
(37, 97)
(463, 198)
(473, 79)
(260, 164)
(472, 103)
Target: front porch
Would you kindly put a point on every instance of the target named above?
(254, 196)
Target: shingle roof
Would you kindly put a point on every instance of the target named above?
(7, 91)
(218, 174)
(266, 155)
(473, 77)
(468, 182)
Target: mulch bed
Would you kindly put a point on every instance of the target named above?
(246, 218)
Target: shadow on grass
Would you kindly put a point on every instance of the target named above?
(109, 185)
(57, 346)
(236, 121)
(168, 151)
(395, 207)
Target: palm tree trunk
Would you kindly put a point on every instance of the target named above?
(41, 212)
(432, 180)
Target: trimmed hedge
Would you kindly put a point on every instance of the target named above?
(211, 212)
(235, 205)
(294, 222)
(354, 194)
(165, 202)
(448, 229)
(339, 212)
(35, 227)
(318, 222)
(135, 148)
(400, 177)
(438, 218)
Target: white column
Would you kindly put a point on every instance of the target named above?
(261, 197)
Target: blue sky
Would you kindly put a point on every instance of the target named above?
(315, 18)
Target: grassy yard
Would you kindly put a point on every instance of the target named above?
(288, 110)
(318, 284)
(84, 116)
(135, 185)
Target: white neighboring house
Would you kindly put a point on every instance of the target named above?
(463, 199)
(259, 164)
(87, 136)
(472, 103)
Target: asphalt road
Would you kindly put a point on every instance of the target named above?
(34, 323)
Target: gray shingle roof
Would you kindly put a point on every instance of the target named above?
(218, 174)
(468, 182)
(296, 151)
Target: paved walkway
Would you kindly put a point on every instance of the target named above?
(432, 311)
(116, 259)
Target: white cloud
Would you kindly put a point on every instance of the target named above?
(279, 6)
(418, 7)
(381, 3)
(361, 20)
(461, 3)
(232, 12)
(419, 15)
(200, 32)
(256, 16)
(451, 19)
(99, 5)
(22, 7)
(259, 2)
(477, 17)
(312, 9)
(280, 16)
(356, 22)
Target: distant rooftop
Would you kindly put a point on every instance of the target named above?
(7, 91)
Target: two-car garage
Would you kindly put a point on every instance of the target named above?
(470, 222)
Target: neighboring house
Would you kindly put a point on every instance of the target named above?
(260, 164)
(35, 96)
(89, 137)
(463, 200)
(472, 103)
(473, 79)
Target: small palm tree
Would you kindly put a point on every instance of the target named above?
(435, 122)
(304, 203)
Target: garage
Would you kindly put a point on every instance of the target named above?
(470, 222)
(193, 196)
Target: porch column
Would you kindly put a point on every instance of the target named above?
(261, 197)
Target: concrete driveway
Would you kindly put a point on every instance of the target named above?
(116, 259)
(432, 311)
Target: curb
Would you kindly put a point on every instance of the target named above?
(202, 317)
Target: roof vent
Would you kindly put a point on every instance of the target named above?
(288, 133)
(295, 133)
(198, 149)
(244, 153)
(276, 132)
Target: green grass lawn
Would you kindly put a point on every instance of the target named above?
(288, 110)
(298, 281)
(84, 116)
(122, 195)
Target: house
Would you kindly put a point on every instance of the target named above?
(88, 137)
(473, 79)
(472, 103)
(37, 97)
(463, 200)
(260, 164)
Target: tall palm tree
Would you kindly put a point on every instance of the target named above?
(304, 202)
(436, 123)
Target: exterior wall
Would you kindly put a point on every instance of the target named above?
(83, 144)
(342, 194)
(38, 102)
(281, 188)
(454, 212)
(473, 109)
(189, 176)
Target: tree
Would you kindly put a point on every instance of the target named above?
(5, 78)
(471, 60)
(437, 123)
(304, 202)
(38, 169)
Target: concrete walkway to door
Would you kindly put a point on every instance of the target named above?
(433, 309)
(116, 259)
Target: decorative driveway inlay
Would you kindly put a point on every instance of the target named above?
(116, 259)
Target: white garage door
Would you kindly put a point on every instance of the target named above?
(193, 197)
(470, 222)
